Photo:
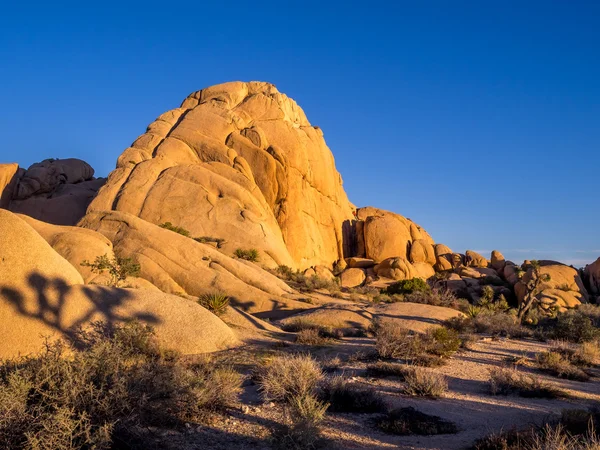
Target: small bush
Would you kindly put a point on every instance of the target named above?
(407, 287)
(215, 302)
(407, 421)
(388, 369)
(305, 414)
(425, 383)
(312, 336)
(555, 364)
(118, 268)
(171, 227)
(586, 354)
(487, 322)
(511, 381)
(102, 387)
(344, 396)
(285, 377)
(207, 239)
(248, 255)
(436, 297)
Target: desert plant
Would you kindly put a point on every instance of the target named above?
(406, 421)
(118, 268)
(215, 302)
(100, 388)
(388, 369)
(248, 255)
(207, 239)
(179, 230)
(300, 324)
(496, 323)
(572, 326)
(424, 383)
(555, 364)
(407, 287)
(436, 297)
(285, 377)
(304, 415)
(346, 396)
(312, 336)
(506, 381)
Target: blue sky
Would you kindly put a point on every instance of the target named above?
(479, 120)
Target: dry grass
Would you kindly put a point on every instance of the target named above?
(424, 383)
(406, 421)
(113, 382)
(304, 415)
(346, 396)
(506, 381)
(300, 324)
(312, 336)
(559, 366)
(495, 323)
(285, 377)
(427, 349)
(387, 369)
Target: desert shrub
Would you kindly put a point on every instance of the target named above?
(300, 324)
(102, 387)
(407, 287)
(437, 297)
(248, 255)
(312, 336)
(215, 302)
(387, 369)
(573, 326)
(488, 322)
(207, 239)
(309, 284)
(285, 272)
(505, 381)
(285, 377)
(171, 227)
(304, 415)
(555, 364)
(406, 421)
(585, 354)
(424, 383)
(420, 349)
(118, 268)
(345, 396)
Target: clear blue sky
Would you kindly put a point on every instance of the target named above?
(479, 120)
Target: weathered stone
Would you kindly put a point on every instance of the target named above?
(352, 277)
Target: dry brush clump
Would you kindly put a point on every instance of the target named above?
(423, 382)
(388, 369)
(428, 349)
(301, 324)
(344, 395)
(407, 421)
(495, 323)
(104, 387)
(558, 365)
(505, 381)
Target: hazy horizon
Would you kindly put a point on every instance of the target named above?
(480, 123)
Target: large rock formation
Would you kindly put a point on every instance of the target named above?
(42, 296)
(238, 161)
(56, 191)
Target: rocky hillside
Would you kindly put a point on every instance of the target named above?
(236, 170)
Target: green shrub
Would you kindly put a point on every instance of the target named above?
(573, 326)
(171, 227)
(407, 287)
(489, 322)
(207, 239)
(436, 297)
(248, 255)
(407, 421)
(285, 377)
(511, 381)
(118, 268)
(345, 396)
(102, 387)
(424, 383)
(215, 302)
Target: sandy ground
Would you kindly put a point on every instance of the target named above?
(467, 403)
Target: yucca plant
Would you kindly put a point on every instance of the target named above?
(215, 302)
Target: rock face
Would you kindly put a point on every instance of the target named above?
(56, 191)
(565, 289)
(177, 264)
(42, 295)
(592, 274)
(238, 161)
